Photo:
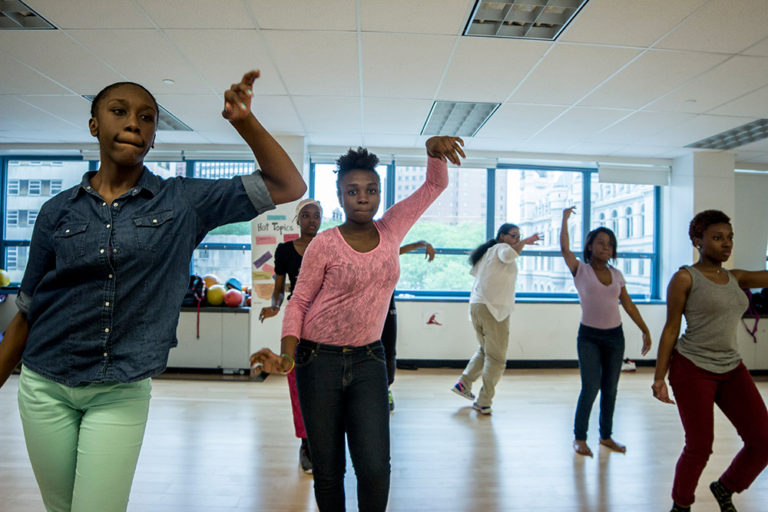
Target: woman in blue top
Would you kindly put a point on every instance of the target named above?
(100, 298)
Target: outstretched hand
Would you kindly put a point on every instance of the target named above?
(237, 99)
(661, 392)
(429, 251)
(568, 211)
(446, 147)
(531, 240)
(268, 361)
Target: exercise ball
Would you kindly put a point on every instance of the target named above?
(215, 295)
(210, 280)
(233, 298)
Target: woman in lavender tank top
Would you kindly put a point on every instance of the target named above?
(600, 341)
(705, 367)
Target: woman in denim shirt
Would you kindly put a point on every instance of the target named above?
(101, 294)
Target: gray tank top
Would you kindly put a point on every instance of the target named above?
(712, 314)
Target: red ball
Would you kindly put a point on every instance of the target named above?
(233, 298)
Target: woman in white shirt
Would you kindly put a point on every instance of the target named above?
(490, 303)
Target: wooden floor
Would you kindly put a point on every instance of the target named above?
(229, 446)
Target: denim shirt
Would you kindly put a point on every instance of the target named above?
(104, 282)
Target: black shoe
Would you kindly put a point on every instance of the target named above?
(305, 458)
(723, 496)
(678, 508)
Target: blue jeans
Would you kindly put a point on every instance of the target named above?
(343, 391)
(601, 352)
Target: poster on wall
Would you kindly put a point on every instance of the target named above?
(268, 230)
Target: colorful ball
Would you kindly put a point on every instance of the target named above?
(233, 298)
(215, 294)
(210, 280)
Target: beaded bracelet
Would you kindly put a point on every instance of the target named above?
(293, 363)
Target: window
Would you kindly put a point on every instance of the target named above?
(478, 201)
(35, 187)
(29, 184)
(225, 251)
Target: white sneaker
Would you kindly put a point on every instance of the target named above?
(628, 365)
(482, 409)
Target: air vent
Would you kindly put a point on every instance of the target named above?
(166, 122)
(744, 134)
(457, 118)
(15, 15)
(522, 19)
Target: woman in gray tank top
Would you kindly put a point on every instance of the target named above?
(705, 367)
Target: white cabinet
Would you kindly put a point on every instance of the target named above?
(754, 355)
(224, 340)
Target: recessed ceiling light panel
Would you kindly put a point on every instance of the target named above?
(16, 15)
(457, 118)
(522, 19)
(739, 136)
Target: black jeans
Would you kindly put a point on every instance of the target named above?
(601, 352)
(389, 340)
(343, 393)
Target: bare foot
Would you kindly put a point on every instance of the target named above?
(613, 445)
(581, 448)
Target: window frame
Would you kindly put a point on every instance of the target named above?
(587, 173)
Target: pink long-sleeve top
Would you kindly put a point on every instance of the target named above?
(342, 295)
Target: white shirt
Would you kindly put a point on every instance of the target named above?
(495, 277)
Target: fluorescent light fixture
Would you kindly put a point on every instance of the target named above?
(744, 134)
(457, 118)
(522, 19)
(165, 120)
(16, 15)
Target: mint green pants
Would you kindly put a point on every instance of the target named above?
(84, 441)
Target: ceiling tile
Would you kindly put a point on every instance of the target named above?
(697, 128)
(129, 53)
(760, 49)
(721, 26)
(72, 109)
(444, 16)
(390, 115)
(88, 14)
(754, 104)
(217, 56)
(56, 56)
(305, 14)
(519, 122)
(627, 22)
(577, 124)
(328, 114)
(316, 63)
(489, 69)
(653, 74)
(404, 65)
(569, 72)
(717, 87)
(640, 125)
(229, 14)
(20, 79)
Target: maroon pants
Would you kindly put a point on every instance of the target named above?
(735, 393)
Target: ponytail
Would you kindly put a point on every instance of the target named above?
(481, 249)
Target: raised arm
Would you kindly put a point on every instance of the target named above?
(751, 278)
(631, 309)
(12, 346)
(565, 242)
(677, 295)
(531, 240)
(428, 249)
(282, 179)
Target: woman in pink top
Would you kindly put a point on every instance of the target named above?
(333, 325)
(600, 342)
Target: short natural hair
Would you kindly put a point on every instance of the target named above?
(359, 159)
(702, 220)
